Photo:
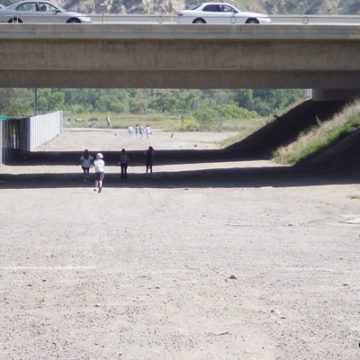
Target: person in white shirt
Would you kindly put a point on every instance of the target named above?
(99, 165)
(148, 131)
(86, 161)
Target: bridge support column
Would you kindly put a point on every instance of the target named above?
(335, 94)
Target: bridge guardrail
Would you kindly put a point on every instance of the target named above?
(315, 19)
(171, 19)
(276, 19)
(132, 19)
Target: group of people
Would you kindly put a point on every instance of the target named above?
(88, 161)
(124, 161)
(140, 131)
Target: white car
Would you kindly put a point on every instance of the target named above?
(40, 12)
(220, 13)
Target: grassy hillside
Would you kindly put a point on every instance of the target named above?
(321, 136)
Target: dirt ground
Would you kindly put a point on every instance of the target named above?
(117, 139)
(230, 261)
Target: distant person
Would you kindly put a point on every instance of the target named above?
(124, 161)
(148, 131)
(136, 130)
(99, 165)
(149, 159)
(141, 130)
(86, 161)
(108, 121)
(130, 130)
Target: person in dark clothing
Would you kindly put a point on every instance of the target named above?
(124, 160)
(149, 159)
(86, 161)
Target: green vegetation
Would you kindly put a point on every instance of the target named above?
(354, 197)
(170, 123)
(161, 121)
(308, 7)
(321, 135)
(172, 109)
(11, 104)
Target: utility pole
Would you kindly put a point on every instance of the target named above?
(35, 101)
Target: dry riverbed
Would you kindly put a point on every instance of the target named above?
(163, 269)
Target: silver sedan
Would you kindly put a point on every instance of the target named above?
(40, 12)
(220, 13)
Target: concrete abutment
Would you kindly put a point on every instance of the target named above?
(335, 94)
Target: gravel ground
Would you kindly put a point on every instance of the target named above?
(157, 268)
(116, 139)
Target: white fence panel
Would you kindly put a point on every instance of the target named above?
(43, 128)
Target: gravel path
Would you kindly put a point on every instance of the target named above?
(208, 268)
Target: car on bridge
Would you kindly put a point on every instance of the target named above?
(220, 13)
(40, 12)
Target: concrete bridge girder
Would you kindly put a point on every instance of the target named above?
(180, 79)
(173, 56)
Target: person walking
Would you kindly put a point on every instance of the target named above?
(99, 165)
(130, 130)
(149, 159)
(86, 161)
(124, 160)
(148, 131)
(141, 130)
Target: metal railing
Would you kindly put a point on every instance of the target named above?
(171, 19)
(315, 19)
(132, 19)
(275, 19)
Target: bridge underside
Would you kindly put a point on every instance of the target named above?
(170, 56)
(214, 79)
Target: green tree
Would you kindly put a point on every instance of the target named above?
(165, 101)
(138, 105)
(11, 105)
(351, 7)
(50, 100)
(207, 117)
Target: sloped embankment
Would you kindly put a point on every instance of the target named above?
(333, 146)
(284, 129)
(342, 156)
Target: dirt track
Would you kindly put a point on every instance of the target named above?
(242, 262)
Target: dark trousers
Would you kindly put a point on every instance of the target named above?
(124, 170)
(149, 166)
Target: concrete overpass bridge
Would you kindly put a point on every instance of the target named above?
(325, 58)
